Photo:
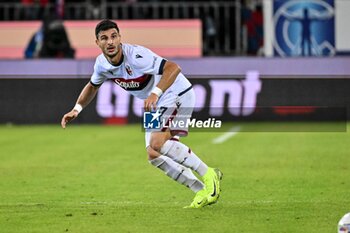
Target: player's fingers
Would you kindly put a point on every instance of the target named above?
(63, 122)
(66, 118)
(150, 106)
(147, 106)
(154, 106)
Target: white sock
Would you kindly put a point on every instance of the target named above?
(183, 155)
(178, 172)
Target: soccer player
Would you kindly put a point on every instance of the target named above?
(161, 85)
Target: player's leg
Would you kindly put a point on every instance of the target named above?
(182, 154)
(174, 170)
(170, 167)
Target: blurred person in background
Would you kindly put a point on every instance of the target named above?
(59, 7)
(252, 27)
(55, 41)
(34, 46)
(50, 41)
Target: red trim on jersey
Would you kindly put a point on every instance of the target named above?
(179, 132)
(140, 79)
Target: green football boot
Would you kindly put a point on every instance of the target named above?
(212, 183)
(200, 200)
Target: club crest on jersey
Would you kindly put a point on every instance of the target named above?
(128, 70)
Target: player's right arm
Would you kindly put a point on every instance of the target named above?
(86, 96)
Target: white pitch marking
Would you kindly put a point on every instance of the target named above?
(224, 137)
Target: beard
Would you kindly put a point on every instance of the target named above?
(113, 54)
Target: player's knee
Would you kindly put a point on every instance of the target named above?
(156, 144)
(152, 154)
(158, 139)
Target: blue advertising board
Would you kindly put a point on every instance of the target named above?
(304, 28)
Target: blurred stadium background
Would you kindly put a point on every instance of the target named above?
(249, 60)
(47, 52)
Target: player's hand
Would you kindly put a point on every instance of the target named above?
(151, 102)
(68, 117)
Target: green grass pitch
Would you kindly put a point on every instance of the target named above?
(97, 179)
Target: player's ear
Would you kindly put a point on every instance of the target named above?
(96, 41)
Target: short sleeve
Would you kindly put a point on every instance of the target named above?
(97, 78)
(148, 62)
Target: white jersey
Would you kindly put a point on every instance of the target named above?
(138, 72)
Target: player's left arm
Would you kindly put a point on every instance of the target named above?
(170, 71)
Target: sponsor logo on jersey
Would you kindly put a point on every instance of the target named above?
(127, 85)
(133, 84)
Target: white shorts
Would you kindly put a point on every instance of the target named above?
(174, 109)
